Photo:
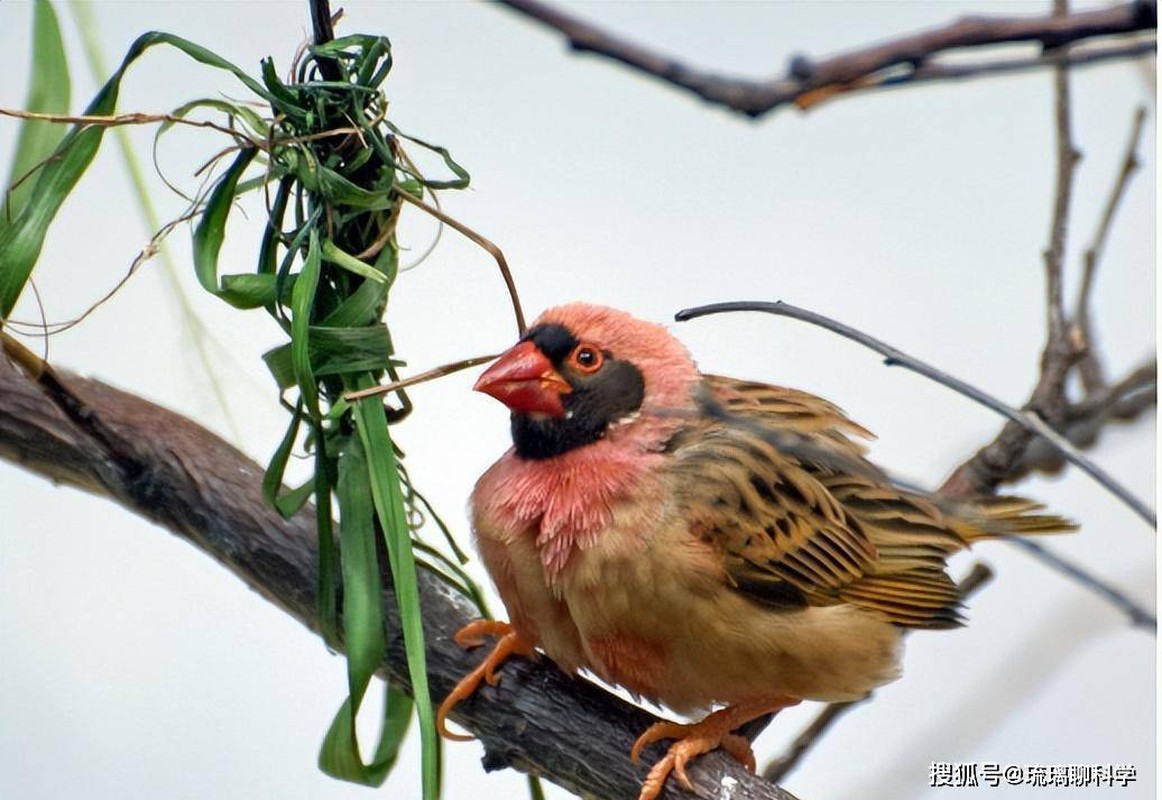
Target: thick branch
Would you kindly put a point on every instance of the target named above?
(171, 471)
(892, 63)
(1123, 401)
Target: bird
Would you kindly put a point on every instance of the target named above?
(712, 545)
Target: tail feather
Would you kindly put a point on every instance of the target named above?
(1004, 515)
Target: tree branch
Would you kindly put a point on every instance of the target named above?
(1089, 368)
(897, 62)
(1068, 344)
(175, 473)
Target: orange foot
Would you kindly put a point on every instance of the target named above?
(702, 737)
(472, 635)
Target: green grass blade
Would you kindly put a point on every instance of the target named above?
(250, 289)
(362, 601)
(200, 338)
(389, 506)
(363, 631)
(48, 91)
(302, 300)
(211, 230)
(332, 253)
(272, 478)
(327, 585)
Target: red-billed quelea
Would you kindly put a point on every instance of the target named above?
(699, 540)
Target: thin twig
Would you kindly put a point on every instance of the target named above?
(871, 67)
(777, 770)
(894, 357)
(423, 377)
(1089, 368)
(133, 118)
(1139, 616)
(1000, 459)
(902, 77)
(1120, 399)
(151, 249)
(1060, 352)
(492, 249)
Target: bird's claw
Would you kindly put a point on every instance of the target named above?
(472, 635)
(698, 738)
(691, 743)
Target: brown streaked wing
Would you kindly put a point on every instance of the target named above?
(796, 526)
(786, 408)
(783, 537)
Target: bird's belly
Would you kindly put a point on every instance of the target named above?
(664, 623)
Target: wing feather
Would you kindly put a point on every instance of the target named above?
(771, 478)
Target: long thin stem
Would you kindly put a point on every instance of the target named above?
(423, 377)
(491, 248)
(895, 357)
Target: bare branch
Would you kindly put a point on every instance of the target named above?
(1123, 401)
(778, 769)
(1027, 424)
(1060, 352)
(184, 478)
(1140, 617)
(892, 63)
(1066, 343)
(1089, 368)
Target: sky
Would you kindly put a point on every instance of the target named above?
(135, 666)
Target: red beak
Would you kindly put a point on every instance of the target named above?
(524, 380)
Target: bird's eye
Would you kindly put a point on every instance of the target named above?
(586, 358)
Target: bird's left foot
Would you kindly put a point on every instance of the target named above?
(472, 635)
(715, 731)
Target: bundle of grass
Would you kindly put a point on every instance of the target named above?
(334, 175)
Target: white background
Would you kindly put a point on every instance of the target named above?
(134, 666)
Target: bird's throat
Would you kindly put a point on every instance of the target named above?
(567, 501)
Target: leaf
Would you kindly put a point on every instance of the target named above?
(333, 351)
(333, 254)
(258, 127)
(48, 92)
(21, 239)
(253, 290)
(272, 478)
(388, 499)
(302, 300)
(327, 585)
(362, 630)
(211, 230)
(335, 754)
(462, 178)
(362, 307)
